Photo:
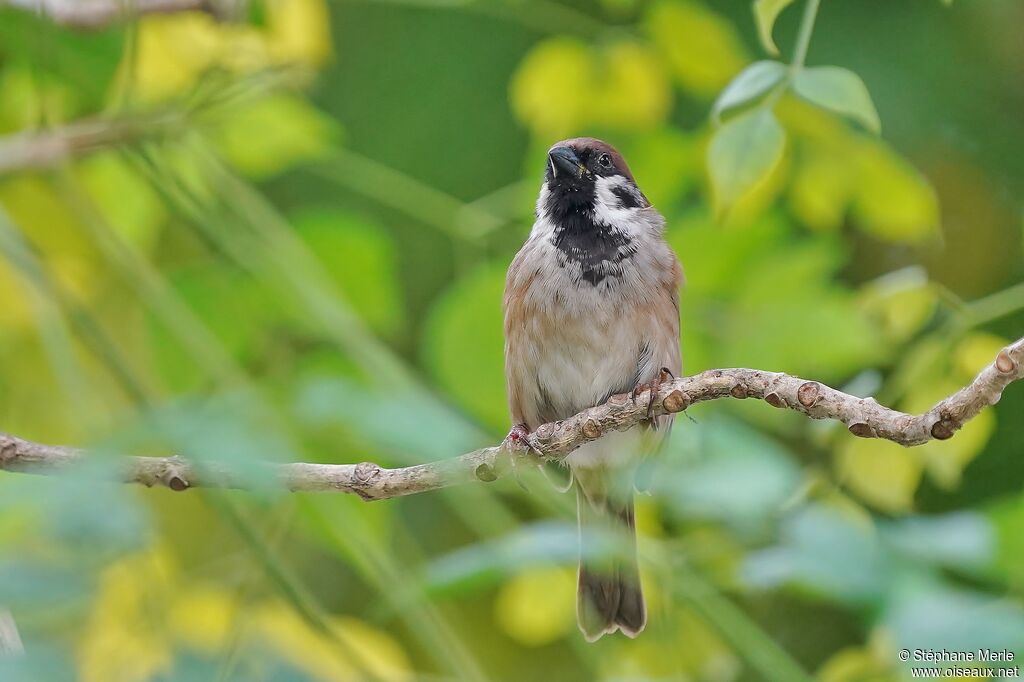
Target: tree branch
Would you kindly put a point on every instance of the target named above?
(43, 149)
(94, 14)
(863, 417)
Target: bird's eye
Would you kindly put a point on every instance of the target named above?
(605, 161)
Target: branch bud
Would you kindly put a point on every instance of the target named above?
(943, 429)
(591, 429)
(485, 472)
(676, 401)
(862, 430)
(1004, 363)
(809, 393)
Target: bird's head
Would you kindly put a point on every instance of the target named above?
(585, 175)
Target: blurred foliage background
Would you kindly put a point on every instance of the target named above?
(282, 235)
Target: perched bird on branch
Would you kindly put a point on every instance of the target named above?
(592, 310)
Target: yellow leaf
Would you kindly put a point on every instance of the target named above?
(175, 49)
(52, 227)
(354, 646)
(701, 46)
(564, 85)
(121, 653)
(634, 93)
(203, 618)
(975, 352)
(16, 311)
(550, 87)
(686, 648)
(820, 190)
(125, 200)
(900, 302)
(883, 474)
(172, 50)
(856, 664)
(274, 133)
(893, 201)
(946, 459)
(538, 606)
(766, 12)
(299, 31)
(123, 641)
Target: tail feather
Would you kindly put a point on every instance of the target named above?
(609, 597)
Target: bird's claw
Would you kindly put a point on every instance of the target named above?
(518, 439)
(664, 375)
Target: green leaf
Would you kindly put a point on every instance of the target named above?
(964, 540)
(464, 339)
(271, 135)
(839, 90)
(741, 476)
(826, 552)
(742, 154)
(361, 258)
(766, 12)
(700, 47)
(753, 81)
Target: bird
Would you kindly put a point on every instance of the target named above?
(591, 310)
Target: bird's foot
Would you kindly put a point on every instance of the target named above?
(651, 388)
(518, 440)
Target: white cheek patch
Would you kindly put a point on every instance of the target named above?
(609, 207)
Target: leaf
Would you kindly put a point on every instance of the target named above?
(549, 89)
(266, 137)
(1006, 516)
(827, 552)
(957, 620)
(361, 257)
(820, 189)
(350, 648)
(464, 339)
(946, 459)
(893, 201)
(975, 352)
(537, 606)
(740, 477)
(299, 32)
(839, 90)
(635, 92)
(203, 617)
(765, 13)
(883, 474)
(965, 540)
(127, 202)
(742, 154)
(753, 81)
(564, 84)
(901, 303)
(701, 47)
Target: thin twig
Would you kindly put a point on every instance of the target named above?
(43, 149)
(863, 417)
(94, 14)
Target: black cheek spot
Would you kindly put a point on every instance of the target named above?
(626, 198)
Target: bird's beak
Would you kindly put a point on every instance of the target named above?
(563, 160)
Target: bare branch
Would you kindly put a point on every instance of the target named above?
(94, 14)
(48, 148)
(39, 150)
(863, 417)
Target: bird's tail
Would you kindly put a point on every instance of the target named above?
(609, 596)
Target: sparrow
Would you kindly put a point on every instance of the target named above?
(591, 310)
